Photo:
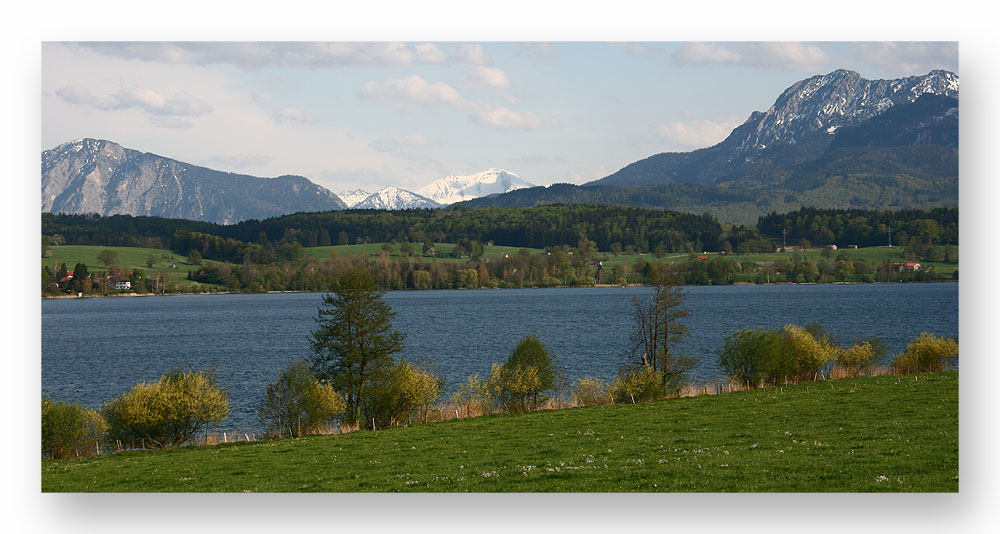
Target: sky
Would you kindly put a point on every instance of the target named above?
(368, 114)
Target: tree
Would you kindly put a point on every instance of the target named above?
(168, 412)
(926, 353)
(194, 257)
(658, 329)
(744, 355)
(107, 257)
(297, 403)
(530, 352)
(70, 429)
(354, 342)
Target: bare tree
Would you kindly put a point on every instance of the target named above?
(658, 329)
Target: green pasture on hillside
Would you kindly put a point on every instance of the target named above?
(877, 254)
(129, 258)
(876, 434)
(442, 249)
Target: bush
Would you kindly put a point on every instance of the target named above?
(471, 394)
(750, 356)
(925, 354)
(510, 387)
(168, 412)
(861, 357)
(809, 353)
(591, 392)
(70, 429)
(639, 384)
(297, 403)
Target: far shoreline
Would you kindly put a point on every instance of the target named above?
(132, 295)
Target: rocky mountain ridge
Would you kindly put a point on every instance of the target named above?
(99, 176)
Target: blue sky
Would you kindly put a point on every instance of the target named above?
(374, 113)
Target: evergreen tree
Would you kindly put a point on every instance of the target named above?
(354, 344)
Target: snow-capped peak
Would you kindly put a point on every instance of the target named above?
(451, 189)
(394, 198)
(353, 197)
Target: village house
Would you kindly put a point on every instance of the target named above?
(907, 267)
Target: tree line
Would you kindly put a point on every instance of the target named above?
(610, 228)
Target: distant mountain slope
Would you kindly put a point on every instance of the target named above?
(394, 198)
(904, 157)
(353, 197)
(799, 127)
(98, 176)
(452, 189)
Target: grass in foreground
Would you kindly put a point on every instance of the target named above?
(865, 434)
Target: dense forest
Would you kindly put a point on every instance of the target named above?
(610, 228)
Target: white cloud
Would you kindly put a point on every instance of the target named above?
(489, 77)
(409, 93)
(768, 55)
(414, 93)
(256, 55)
(472, 53)
(179, 105)
(912, 58)
(697, 134)
(506, 119)
(706, 53)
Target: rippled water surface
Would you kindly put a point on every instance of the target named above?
(94, 349)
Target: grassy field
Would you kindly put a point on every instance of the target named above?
(853, 435)
(877, 254)
(130, 258)
(374, 249)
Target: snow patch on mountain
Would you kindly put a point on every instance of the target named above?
(452, 189)
(394, 198)
(353, 197)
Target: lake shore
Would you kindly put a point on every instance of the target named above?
(124, 295)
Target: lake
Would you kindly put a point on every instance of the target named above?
(95, 349)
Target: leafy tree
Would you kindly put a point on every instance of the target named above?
(150, 261)
(297, 403)
(107, 257)
(194, 257)
(859, 357)
(530, 352)
(70, 429)
(81, 279)
(510, 387)
(808, 354)
(744, 355)
(168, 412)
(46, 249)
(657, 329)
(354, 341)
(926, 353)
(403, 393)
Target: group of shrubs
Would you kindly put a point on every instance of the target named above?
(758, 358)
(755, 358)
(172, 410)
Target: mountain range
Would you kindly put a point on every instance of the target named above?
(832, 141)
(100, 176)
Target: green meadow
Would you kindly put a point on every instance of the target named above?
(873, 434)
(129, 258)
